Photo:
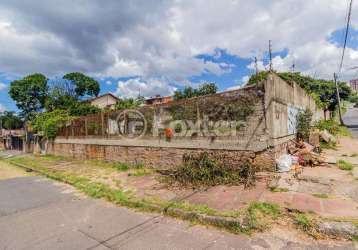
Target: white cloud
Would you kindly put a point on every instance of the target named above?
(2, 86)
(162, 39)
(137, 86)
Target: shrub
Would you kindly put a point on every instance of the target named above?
(203, 170)
(345, 165)
(304, 119)
(50, 122)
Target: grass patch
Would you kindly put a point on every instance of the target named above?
(203, 170)
(333, 127)
(305, 223)
(328, 145)
(141, 172)
(278, 189)
(260, 215)
(322, 196)
(343, 165)
(354, 155)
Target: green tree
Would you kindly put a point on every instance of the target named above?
(82, 108)
(189, 92)
(29, 94)
(84, 85)
(9, 120)
(129, 103)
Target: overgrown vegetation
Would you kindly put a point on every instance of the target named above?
(9, 120)
(304, 120)
(129, 103)
(322, 91)
(189, 92)
(333, 127)
(49, 103)
(343, 165)
(49, 123)
(306, 224)
(261, 214)
(203, 170)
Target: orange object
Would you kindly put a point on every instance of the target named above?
(169, 133)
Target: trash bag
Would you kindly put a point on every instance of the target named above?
(284, 163)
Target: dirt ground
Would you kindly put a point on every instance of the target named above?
(8, 171)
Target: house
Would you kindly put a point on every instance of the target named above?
(12, 139)
(107, 100)
(158, 100)
(354, 85)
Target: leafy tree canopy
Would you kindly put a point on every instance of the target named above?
(84, 85)
(129, 103)
(29, 94)
(189, 92)
(82, 108)
(9, 120)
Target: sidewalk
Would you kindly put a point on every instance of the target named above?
(327, 192)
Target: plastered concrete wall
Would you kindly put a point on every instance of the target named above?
(263, 138)
(251, 135)
(282, 102)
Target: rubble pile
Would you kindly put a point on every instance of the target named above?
(302, 154)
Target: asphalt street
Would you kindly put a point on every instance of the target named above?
(350, 119)
(36, 213)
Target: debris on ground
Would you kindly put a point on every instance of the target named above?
(203, 170)
(327, 137)
(306, 154)
(338, 229)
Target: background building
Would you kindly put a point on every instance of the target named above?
(354, 85)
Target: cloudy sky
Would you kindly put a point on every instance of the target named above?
(155, 46)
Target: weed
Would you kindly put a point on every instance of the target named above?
(260, 215)
(278, 189)
(333, 127)
(203, 170)
(304, 222)
(122, 167)
(354, 155)
(328, 145)
(322, 196)
(141, 172)
(343, 165)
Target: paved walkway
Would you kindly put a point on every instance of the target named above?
(36, 213)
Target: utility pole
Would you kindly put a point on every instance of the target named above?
(257, 72)
(338, 99)
(270, 54)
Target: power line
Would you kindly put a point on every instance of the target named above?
(346, 35)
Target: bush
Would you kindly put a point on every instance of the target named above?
(333, 127)
(345, 165)
(50, 122)
(304, 119)
(203, 170)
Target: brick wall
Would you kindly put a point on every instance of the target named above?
(158, 157)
